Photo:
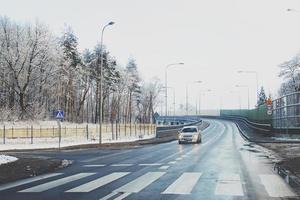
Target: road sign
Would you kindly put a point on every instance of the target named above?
(59, 114)
(269, 112)
(269, 101)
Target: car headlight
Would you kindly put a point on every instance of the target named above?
(180, 136)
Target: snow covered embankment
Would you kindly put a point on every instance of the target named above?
(7, 159)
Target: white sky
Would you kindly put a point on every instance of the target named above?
(214, 38)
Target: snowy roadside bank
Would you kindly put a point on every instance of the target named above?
(53, 142)
(29, 166)
(4, 159)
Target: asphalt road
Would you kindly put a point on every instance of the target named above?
(224, 166)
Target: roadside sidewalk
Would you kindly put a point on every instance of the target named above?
(283, 152)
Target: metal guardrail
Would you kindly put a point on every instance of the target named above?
(289, 178)
(254, 125)
(172, 131)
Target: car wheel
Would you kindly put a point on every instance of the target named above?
(179, 142)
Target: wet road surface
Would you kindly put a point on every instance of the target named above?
(223, 166)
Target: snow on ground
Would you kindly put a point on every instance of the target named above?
(40, 123)
(53, 142)
(7, 159)
(286, 139)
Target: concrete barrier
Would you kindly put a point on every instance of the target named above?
(172, 131)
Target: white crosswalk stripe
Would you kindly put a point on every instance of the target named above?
(141, 182)
(275, 186)
(229, 185)
(184, 184)
(29, 180)
(92, 185)
(56, 183)
(135, 186)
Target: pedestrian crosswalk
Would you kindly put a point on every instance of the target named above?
(56, 183)
(92, 185)
(229, 185)
(128, 183)
(184, 184)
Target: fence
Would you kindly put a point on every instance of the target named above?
(75, 133)
(286, 112)
(258, 115)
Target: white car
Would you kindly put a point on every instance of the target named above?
(189, 134)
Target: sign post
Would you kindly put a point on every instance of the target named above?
(59, 115)
(269, 103)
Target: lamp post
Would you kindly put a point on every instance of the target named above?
(245, 86)
(239, 100)
(187, 95)
(202, 92)
(101, 80)
(292, 10)
(256, 77)
(174, 111)
(166, 83)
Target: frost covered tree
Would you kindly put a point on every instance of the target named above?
(41, 72)
(28, 62)
(261, 97)
(289, 71)
(133, 89)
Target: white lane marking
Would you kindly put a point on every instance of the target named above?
(150, 164)
(178, 159)
(121, 165)
(184, 184)
(92, 185)
(172, 162)
(275, 186)
(106, 156)
(110, 195)
(140, 183)
(58, 182)
(94, 165)
(164, 167)
(124, 195)
(229, 185)
(29, 180)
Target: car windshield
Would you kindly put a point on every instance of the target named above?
(187, 130)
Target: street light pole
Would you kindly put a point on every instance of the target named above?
(166, 84)
(173, 98)
(200, 94)
(256, 77)
(248, 93)
(101, 82)
(187, 96)
(239, 100)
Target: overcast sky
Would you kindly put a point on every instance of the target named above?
(214, 38)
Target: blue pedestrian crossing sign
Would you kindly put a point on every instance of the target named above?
(59, 114)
